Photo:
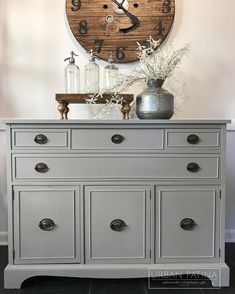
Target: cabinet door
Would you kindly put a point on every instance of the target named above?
(187, 224)
(47, 225)
(117, 224)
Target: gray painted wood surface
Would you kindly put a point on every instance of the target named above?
(25, 138)
(186, 122)
(3, 189)
(178, 138)
(132, 139)
(129, 204)
(34, 245)
(122, 180)
(115, 167)
(202, 205)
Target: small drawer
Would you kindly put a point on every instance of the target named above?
(71, 167)
(40, 138)
(117, 139)
(192, 138)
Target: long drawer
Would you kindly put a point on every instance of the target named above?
(115, 167)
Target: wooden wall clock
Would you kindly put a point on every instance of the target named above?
(116, 25)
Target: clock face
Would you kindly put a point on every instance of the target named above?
(116, 25)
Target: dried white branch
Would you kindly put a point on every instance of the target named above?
(155, 63)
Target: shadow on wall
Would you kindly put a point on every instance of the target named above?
(230, 183)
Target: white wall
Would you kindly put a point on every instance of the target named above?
(34, 40)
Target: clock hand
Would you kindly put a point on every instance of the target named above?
(134, 19)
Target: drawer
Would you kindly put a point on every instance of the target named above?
(119, 139)
(40, 138)
(115, 167)
(124, 228)
(192, 138)
(47, 227)
(188, 224)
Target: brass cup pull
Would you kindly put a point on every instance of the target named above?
(41, 168)
(188, 224)
(118, 225)
(193, 167)
(193, 139)
(40, 139)
(117, 139)
(47, 224)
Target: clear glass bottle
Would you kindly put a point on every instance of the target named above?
(72, 75)
(110, 73)
(92, 75)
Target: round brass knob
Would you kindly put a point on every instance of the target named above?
(193, 139)
(41, 168)
(40, 139)
(188, 224)
(118, 225)
(193, 167)
(117, 139)
(46, 224)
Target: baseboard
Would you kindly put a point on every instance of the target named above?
(230, 236)
(3, 238)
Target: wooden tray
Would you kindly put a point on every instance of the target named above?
(65, 99)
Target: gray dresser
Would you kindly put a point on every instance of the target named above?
(116, 199)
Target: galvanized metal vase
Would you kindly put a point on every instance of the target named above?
(155, 102)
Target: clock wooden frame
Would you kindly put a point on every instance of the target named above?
(97, 25)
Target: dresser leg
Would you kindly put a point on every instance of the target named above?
(223, 278)
(12, 280)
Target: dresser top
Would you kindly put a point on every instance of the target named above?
(115, 122)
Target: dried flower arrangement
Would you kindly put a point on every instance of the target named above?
(155, 62)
